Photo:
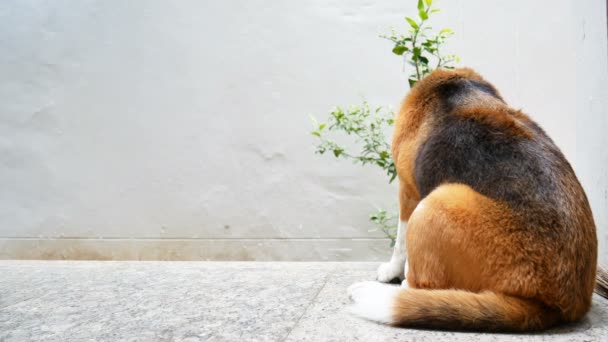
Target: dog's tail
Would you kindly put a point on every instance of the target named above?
(601, 281)
(449, 309)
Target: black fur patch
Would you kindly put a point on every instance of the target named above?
(453, 93)
(484, 87)
(520, 172)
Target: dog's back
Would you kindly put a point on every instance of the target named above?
(501, 215)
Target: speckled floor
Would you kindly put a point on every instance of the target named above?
(210, 301)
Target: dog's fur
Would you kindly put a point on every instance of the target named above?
(500, 235)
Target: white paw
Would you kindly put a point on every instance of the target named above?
(373, 301)
(391, 270)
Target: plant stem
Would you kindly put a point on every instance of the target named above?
(416, 60)
(438, 57)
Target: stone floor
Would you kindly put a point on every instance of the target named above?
(210, 301)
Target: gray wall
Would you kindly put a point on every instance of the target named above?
(179, 129)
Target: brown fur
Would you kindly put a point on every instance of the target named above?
(478, 262)
(502, 118)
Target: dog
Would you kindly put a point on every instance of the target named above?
(498, 229)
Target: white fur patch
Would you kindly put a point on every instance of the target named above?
(373, 300)
(391, 270)
(396, 267)
(419, 207)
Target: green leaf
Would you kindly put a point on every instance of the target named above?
(412, 82)
(412, 22)
(435, 10)
(394, 175)
(428, 2)
(312, 118)
(337, 153)
(316, 134)
(420, 5)
(423, 15)
(424, 59)
(399, 50)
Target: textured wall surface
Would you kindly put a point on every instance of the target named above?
(179, 129)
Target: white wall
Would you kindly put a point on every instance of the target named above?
(179, 129)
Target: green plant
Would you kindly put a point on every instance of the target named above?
(368, 126)
(385, 221)
(421, 49)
